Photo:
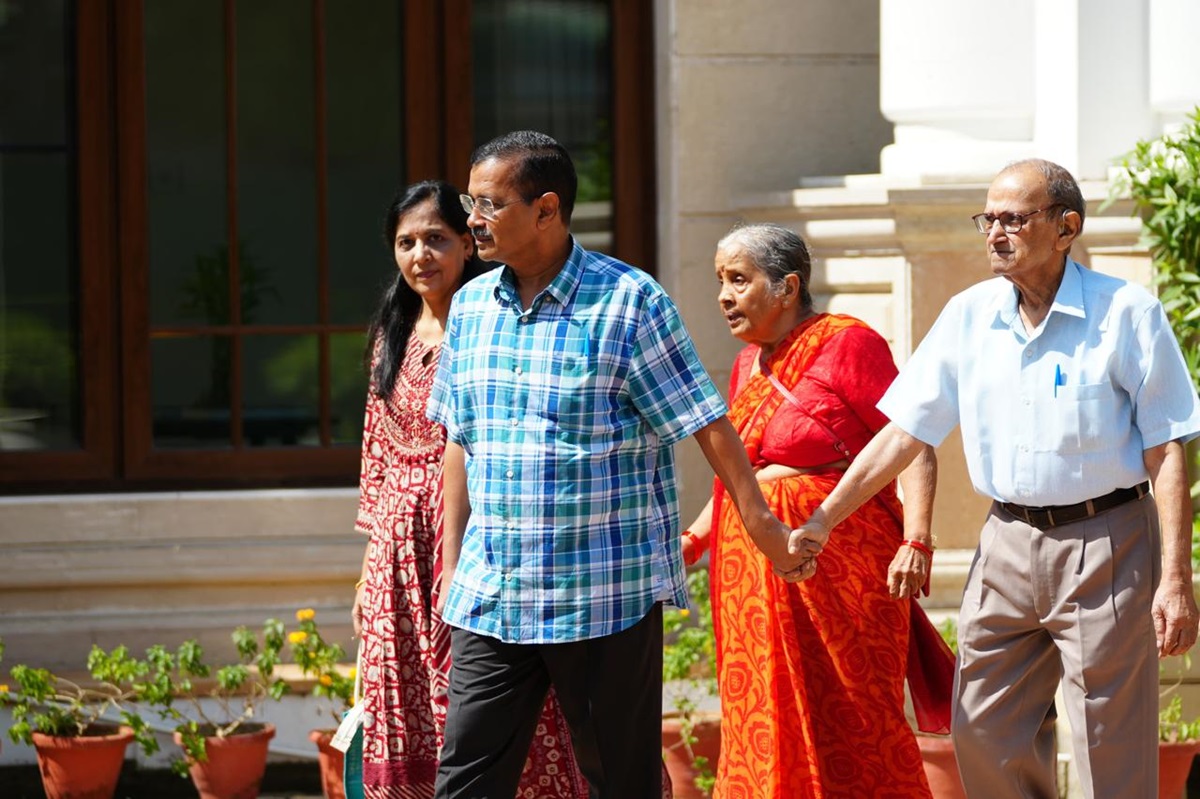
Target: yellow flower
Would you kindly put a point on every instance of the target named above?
(684, 613)
(297, 637)
(3, 689)
(353, 699)
(326, 680)
(305, 614)
(353, 672)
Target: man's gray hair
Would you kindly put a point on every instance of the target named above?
(776, 250)
(1061, 185)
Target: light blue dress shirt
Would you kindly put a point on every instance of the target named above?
(1058, 416)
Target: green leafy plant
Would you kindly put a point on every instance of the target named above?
(324, 662)
(237, 689)
(47, 703)
(948, 628)
(1171, 726)
(689, 660)
(1162, 176)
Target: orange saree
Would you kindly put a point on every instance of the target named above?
(811, 675)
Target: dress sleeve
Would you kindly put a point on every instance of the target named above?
(374, 462)
(857, 365)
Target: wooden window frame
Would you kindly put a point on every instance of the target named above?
(117, 451)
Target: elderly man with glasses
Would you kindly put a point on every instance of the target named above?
(1074, 400)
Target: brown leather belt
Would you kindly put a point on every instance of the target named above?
(1054, 515)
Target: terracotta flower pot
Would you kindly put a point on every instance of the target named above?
(941, 767)
(1174, 763)
(332, 762)
(84, 766)
(707, 730)
(235, 765)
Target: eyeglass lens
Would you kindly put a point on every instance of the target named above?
(482, 205)
(1011, 223)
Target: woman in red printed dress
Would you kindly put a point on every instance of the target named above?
(811, 674)
(406, 646)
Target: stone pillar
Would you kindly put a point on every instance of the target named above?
(971, 87)
(957, 80)
(1091, 83)
(1174, 59)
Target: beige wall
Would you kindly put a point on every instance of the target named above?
(142, 569)
(752, 97)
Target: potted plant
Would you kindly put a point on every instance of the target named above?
(225, 751)
(79, 751)
(937, 751)
(1178, 740)
(691, 735)
(334, 682)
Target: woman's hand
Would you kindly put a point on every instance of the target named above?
(691, 553)
(908, 572)
(356, 612)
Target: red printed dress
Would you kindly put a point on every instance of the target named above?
(406, 646)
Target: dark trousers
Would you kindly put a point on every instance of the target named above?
(610, 691)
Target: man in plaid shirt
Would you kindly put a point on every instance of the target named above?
(565, 379)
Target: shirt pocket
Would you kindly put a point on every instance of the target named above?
(573, 386)
(1076, 419)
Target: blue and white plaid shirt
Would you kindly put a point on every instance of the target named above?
(567, 413)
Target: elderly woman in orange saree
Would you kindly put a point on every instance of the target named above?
(811, 674)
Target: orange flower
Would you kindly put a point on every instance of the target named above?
(326, 680)
(306, 614)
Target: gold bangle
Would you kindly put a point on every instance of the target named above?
(360, 583)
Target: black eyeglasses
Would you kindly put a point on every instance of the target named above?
(1011, 223)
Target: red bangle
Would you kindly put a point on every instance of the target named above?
(917, 545)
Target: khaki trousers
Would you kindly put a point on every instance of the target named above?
(1069, 603)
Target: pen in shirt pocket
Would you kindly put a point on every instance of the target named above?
(1059, 379)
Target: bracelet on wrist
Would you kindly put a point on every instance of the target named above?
(360, 583)
(919, 546)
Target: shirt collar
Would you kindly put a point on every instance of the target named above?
(561, 289)
(1068, 299)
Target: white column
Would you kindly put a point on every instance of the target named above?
(1092, 82)
(957, 80)
(1174, 59)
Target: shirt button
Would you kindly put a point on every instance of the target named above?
(513, 422)
(1028, 353)
(519, 370)
(509, 473)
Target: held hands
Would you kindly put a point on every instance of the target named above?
(805, 544)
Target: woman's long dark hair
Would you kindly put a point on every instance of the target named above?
(400, 306)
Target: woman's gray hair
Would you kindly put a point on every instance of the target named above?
(777, 251)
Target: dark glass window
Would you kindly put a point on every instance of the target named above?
(547, 66)
(39, 319)
(272, 148)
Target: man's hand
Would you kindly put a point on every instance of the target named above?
(1175, 618)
